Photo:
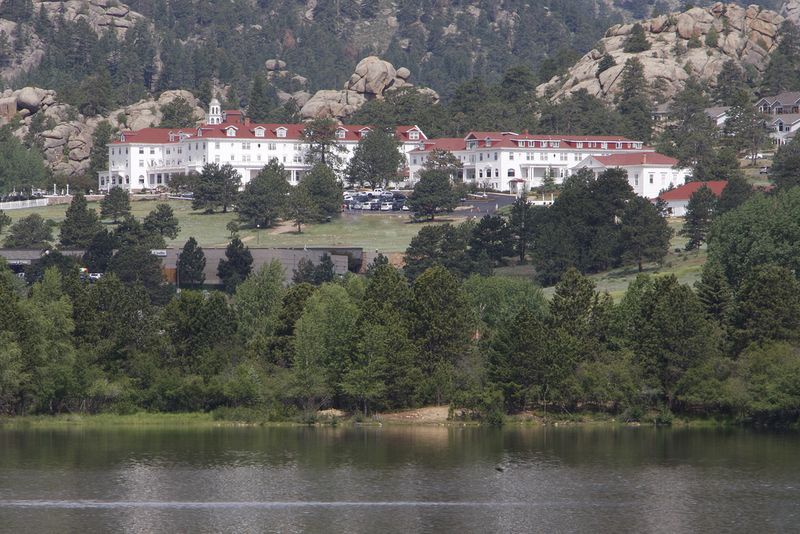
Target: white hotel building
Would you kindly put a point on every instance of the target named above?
(147, 158)
(507, 161)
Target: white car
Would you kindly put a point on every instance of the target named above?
(386, 206)
(757, 156)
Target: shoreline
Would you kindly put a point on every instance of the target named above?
(395, 419)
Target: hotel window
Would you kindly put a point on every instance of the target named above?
(216, 158)
(511, 156)
(413, 135)
(652, 177)
(480, 156)
(663, 178)
(233, 157)
(141, 163)
(480, 173)
(141, 150)
(413, 161)
(246, 146)
(271, 146)
(495, 156)
(496, 173)
(216, 145)
(636, 179)
(152, 150)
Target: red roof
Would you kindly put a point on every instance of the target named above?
(443, 143)
(685, 191)
(246, 130)
(639, 158)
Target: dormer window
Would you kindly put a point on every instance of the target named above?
(413, 135)
(231, 131)
(340, 133)
(487, 142)
(259, 131)
(555, 144)
(364, 132)
(199, 132)
(280, 132)
(579, 145)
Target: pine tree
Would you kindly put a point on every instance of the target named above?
(633, 102)
(433, 192)
(644, 234)
(301, 208)
(235, 269)
(216, 186)
(731, 84)
(736, 193)
(162, 221)
(324, 190)
(99, 252)
(80, 224)
(265, 197)
(606, 62)
(699, 215)
(714, 292)
(376, 160)
(116, 204)
(191, 264)
(785, 170)
(637, 40)
(262, 100)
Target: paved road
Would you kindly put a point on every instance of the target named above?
(482, 207)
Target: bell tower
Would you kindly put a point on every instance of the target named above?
(214, 112)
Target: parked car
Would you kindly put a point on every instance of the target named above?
(757, 156)
(375, 206)
(405, 208)
(763, 170)
(386, 206)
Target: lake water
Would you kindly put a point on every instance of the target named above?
(399, 479)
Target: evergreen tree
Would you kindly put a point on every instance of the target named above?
(699, 215)
(433, 192)
(445, 161)
(767, 306)
(785, 170)
(441, 324)
(134, 264)
(606, 62)
(235, 269)
(216, 187)
(115, 205)
(645, 234)
(262, 100)
(731, 84)
(522, 224)
(80, 224)
(637, 40)
(633, 102)
(376, 160)
(99, 252)
(301, 208)
(746, 127)
(320, 137)
(131, 233)
(492, 236)
(177, 114)
(162, 221)
(191, 265)
(30, 232)
(258, 304)
(714, 292)
(783, 70)
(265, 197)
(736, 193)
(324, 190)
(5, 221)
(98, 155)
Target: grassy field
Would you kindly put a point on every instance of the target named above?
(686, 266)
(386, 232)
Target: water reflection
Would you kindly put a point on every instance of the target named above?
(398, 479)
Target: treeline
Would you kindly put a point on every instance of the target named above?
(391, 339)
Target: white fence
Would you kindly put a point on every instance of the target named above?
(22, 204)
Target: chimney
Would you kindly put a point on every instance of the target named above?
(644, 159)
(246, 121)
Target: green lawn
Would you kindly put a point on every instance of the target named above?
(386, 232)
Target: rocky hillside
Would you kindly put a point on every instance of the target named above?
(696, 42)
(64, 135)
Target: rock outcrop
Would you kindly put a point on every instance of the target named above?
(66, 138)
(681, 44)
(791, 11)
(373, 78)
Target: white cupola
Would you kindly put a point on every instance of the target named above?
(214, 112)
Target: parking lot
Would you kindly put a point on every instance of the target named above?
(395, 201)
